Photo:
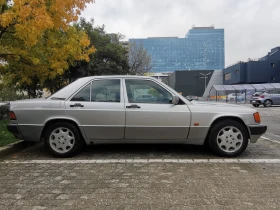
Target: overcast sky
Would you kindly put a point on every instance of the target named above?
(251, 26)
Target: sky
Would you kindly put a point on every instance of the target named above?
(251, 26)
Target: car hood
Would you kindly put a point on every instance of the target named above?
(208, 107)
(199, 103)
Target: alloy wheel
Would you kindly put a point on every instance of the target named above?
(230, 139)
(62, 140)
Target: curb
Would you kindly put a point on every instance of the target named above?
(15, 147)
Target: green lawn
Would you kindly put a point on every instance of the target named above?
(5, 136)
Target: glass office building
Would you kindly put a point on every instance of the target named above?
(201, 49)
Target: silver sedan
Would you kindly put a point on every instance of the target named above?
(131, 109)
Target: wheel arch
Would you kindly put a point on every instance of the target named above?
(54, 120)
(269, 99)
(220, 118)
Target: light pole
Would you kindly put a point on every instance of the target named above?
(204, 76)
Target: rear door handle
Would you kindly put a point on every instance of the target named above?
(133, 106)
(77, 105)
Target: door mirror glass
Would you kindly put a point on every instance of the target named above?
(175, 100)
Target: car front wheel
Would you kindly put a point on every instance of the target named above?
(63, 139)
(228, 138)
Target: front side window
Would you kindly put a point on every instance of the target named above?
(83, 95)
(146, 91)
(105, 90)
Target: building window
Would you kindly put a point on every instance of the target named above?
(272, 78)
(237, 71)
(227, 76)
(272, 65)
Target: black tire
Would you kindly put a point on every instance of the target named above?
(216, 129)
(231, 100)
(78, 140)
(267, 103)
(256, 105)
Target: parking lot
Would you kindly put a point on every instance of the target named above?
(146, 176)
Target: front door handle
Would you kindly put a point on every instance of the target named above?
(77, 105)
(133, 106)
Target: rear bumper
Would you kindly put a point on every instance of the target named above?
(257, 101)
(256, 131)
(14, 129)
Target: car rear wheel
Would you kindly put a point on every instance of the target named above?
(267, 103)
(231, 100)
(63, 139)
(256, 105)
(228, 138)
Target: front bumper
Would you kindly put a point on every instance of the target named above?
(14, 129)
(256, 131)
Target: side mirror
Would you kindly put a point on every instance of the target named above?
(175, 100)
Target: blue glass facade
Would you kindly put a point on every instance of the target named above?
(201, 49)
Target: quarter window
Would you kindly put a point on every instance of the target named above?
(105, 90)
(83, 95)
(146, 91)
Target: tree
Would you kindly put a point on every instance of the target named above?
(110, 57)
(139, 59)
(38, 42)
(28, 20)
(10, 93)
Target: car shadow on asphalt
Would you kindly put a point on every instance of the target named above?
(123, 151)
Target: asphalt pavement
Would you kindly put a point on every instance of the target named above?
(146, 176)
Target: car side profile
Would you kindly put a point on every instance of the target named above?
(131, 109)
(266, 98)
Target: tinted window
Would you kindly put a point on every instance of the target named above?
(273, 91)
(83, 95)
(106, 90)
(145, 91)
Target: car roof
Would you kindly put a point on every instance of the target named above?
(118, 76)
(67, 91)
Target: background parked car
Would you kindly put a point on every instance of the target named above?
(232, 96)
(267, 98)
(190, 97)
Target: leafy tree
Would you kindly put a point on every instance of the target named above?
(10, 93)
(37, 41)
(139, 59)
(110, 58)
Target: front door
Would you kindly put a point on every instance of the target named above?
(150, 114)
(99, 108)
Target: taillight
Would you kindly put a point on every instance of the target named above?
(262, 96)
(12, 115)
(257, 117)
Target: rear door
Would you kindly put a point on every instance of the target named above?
(274, 96)
(99, 108)
(153, 117)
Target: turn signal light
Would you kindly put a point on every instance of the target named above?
(257, 117)
(12, 116)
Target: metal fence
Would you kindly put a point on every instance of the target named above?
(238, 93)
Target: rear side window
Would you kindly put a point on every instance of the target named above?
(106, 90)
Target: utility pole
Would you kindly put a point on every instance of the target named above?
(205, 77)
